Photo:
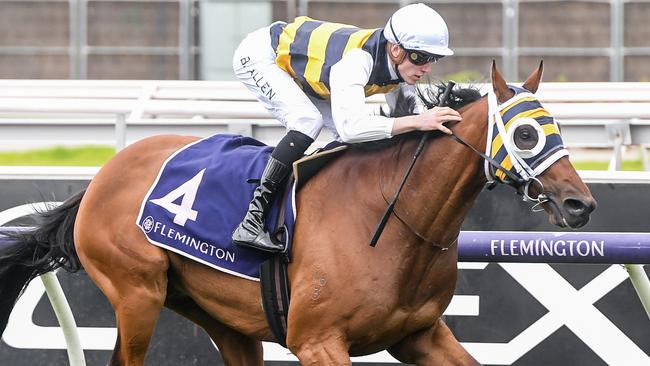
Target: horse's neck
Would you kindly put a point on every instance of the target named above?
(446, 181)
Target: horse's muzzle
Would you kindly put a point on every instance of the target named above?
(575, 212)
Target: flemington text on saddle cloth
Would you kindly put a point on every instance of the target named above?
(200, 196)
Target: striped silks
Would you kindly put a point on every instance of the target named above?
(308, 48)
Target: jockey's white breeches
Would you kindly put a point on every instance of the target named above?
(254, 64)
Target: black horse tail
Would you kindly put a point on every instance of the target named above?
(26, 254)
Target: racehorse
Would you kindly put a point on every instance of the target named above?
(347, 298)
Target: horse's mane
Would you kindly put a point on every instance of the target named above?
(458, 98)
(429, 96)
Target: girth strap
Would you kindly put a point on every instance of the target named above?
(274, 281)
(275, 296)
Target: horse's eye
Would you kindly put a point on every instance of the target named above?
(525, 137)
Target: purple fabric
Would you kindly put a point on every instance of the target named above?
(554, 247)
(221, 202)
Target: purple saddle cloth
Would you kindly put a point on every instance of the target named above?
(202, 194)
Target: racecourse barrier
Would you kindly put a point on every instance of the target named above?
(630, 249)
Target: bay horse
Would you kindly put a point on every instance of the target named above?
(347, 298)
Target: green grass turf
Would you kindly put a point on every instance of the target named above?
(98, 155)
(59, 156)
(602, 165)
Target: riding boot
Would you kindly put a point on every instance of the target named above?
(251, 231)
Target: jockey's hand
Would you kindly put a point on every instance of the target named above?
(429, 120)
(434, 119)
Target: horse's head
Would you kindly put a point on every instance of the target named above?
(525, 140)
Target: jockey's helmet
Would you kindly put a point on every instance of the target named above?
(417, 27)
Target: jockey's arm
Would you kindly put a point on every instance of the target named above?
(353, 122)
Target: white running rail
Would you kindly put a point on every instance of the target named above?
(612, 115)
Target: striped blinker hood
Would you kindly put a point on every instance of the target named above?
(522, 136)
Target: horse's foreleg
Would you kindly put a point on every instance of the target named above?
(236, 349)
(433, 346)
(320, 349)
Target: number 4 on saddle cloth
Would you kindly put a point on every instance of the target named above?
(201, 195)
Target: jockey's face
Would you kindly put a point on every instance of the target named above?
(409, 71)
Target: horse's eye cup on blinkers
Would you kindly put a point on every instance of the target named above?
(527, 137)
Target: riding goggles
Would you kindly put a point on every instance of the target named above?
(420, 58)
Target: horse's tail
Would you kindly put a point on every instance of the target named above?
(26, 254)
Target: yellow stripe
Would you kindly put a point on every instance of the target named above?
(316, 51)
(527, 99)
(550, 129)
(533, 113)
(507, 165)
(283, 58)
(358, 39)
(376, 89)
(496, 145)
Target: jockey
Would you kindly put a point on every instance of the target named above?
(311, 74)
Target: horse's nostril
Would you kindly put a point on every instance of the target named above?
(577, 207)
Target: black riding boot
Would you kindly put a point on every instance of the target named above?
(251, 231)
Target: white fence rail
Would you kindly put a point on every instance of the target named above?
(39, 112)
